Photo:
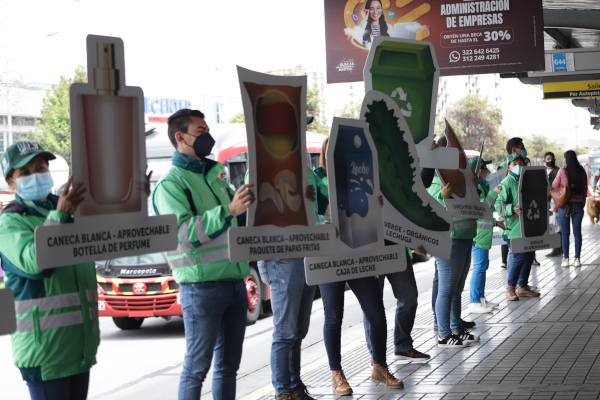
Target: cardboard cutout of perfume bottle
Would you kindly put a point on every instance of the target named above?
(410, 215)
(534, 190)
(353, 176)
(109, 157)
(465, 202)
(8, 317)
(407, 71)
(281, 222)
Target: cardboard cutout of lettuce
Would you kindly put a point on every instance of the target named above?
(411, 216)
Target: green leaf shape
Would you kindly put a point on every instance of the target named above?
(396, 172)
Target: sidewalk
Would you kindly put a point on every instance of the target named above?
(539, 348)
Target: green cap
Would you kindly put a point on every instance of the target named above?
(512, 157)
(19, 154)
(473, 163)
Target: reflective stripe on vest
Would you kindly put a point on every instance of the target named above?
(48, 303)
(207, 253)
(465, 225)
(483, 225)
(91, 294)
(513, 218)
(184, 235)
(51, 321)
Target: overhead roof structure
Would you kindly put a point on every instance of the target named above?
(570, 24)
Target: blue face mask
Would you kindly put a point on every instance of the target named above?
(524, 153)
(35, 186)
(515, 172)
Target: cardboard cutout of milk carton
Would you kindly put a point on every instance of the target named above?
(109, 157)
(281, 222)
(410, 215)
(353, 176)
(407, 71)
(464, 202)
(8, 317)
(534, 190)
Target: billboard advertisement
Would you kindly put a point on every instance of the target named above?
(470, 37)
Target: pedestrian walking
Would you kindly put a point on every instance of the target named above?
(573, 175)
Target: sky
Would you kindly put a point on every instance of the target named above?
(186, 49)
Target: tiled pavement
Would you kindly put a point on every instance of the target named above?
(542, 348)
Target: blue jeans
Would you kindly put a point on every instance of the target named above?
(481, 262)
(577, 209)
(434, 291)
(520, 268)
(405, 291)
(452, 275)
(291, 302)
(214, 317)
(73, 387)
(369, 296)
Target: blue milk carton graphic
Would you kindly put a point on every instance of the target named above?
(353, 163)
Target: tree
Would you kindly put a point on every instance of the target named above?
(238, 118)
(538, 146)
(54, 131)
(315, 106)
(474, 119)
(352, 110)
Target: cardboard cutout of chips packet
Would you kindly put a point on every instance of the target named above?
(281, 222)
(464, 202)
(534, 190)
(410, 215)
(354, 197)
(407, 71)
(109, 157)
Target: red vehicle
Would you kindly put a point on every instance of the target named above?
(133, 288)
(591, 163)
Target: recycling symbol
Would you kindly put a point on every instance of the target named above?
(534, 211)
(399, 94)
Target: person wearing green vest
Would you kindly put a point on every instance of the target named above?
(211, 288)
(482, 243)
(57, 309)
(509, 210)
(452, 275)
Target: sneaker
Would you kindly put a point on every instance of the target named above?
(467, 324)
(532, 288)
(503, 265)
(300, 392)
(565, 262)
(451, 342)
(535, 262)
(576, 262)
(467, 337)
(526, 292)
(412, 355)
(479, 308)
(511, 294)
(487, 303)
(381, 374)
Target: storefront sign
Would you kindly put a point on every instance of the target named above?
(571, 90)
(470, 37)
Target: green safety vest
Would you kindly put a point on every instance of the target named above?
(461, 228)
(505, 204)
(57, 309)
(193, 191)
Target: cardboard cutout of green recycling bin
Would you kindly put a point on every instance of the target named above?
(407, 71)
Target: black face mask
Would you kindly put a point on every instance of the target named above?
(550, 164)
(203, 144)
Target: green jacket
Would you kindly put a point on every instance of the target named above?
(193, 191)
(57, 309)
(505, 204)
(483, 240)
(461, 228)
